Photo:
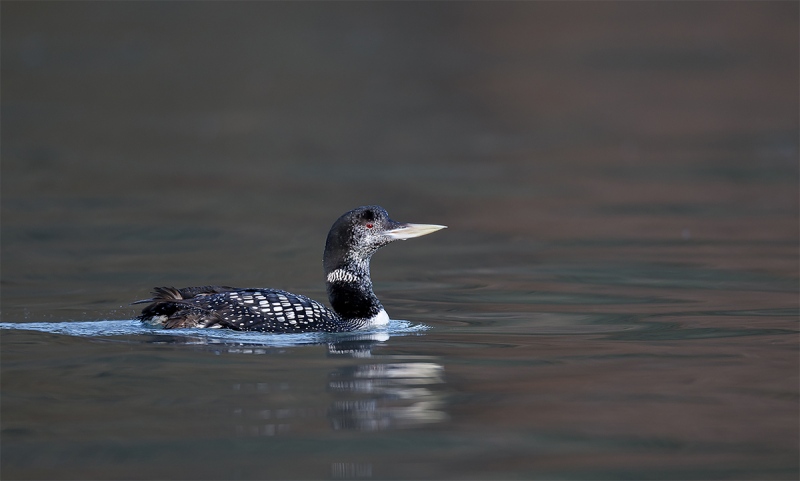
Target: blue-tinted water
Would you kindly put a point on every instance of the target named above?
(135, 329)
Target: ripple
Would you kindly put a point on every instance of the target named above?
(100, 329)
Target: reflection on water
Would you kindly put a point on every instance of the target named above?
(362, 392)
(268, 421)
(351, 470)
(382, 395)
(367, 397)
(394, 395)
(385, 395)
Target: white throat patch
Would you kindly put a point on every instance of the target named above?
(341, 275)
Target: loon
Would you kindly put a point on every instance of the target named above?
(352, 241)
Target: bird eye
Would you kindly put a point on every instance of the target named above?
(369, 226)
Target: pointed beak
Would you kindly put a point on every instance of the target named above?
(407, 231)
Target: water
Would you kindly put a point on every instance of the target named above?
(616, 296)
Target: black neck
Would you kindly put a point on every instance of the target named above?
(350, 291)
(346, 262)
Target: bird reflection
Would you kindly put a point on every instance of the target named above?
(370, 396)
(393, 395)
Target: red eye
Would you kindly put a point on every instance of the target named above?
(369, 226)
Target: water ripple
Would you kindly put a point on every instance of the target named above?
(213, 336)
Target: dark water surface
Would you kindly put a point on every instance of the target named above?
(616, 296)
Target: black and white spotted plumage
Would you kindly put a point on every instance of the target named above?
(352, 240)
(269, 310)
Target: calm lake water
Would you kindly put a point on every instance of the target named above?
(616, 296)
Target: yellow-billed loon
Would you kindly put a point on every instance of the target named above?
(352, 240)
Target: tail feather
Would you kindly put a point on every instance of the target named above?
(162, 294)
(168, 293)
(174, 308)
